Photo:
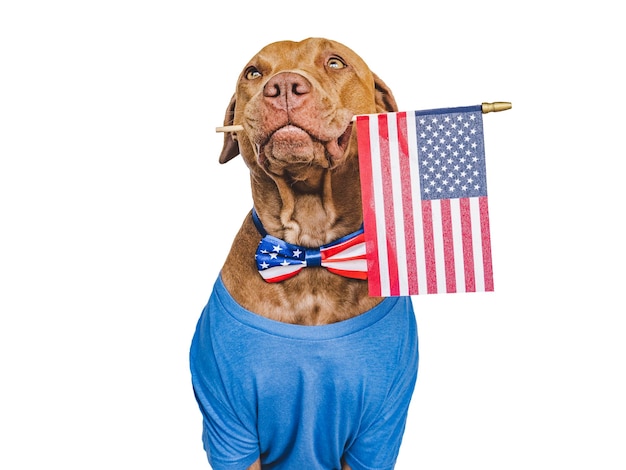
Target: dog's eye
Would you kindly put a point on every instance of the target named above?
(252, 73)
(336, 63)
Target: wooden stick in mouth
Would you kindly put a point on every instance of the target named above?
(486, 108)
(234, 128)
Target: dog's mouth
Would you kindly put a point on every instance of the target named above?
(292, 145)
(337, 148)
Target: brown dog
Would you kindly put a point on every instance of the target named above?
(295, 102)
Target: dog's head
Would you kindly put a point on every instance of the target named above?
(295, 101)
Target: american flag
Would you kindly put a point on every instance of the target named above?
(425, 211)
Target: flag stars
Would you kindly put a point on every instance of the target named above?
(450, 154)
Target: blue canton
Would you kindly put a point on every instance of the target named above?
(451, 153)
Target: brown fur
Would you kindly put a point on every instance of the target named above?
(295, 101)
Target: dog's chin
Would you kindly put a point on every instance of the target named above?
(290, 148)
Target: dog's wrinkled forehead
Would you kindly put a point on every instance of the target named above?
(310, 55)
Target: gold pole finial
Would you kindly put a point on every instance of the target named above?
(496, 106)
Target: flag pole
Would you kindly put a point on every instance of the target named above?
(494, 107)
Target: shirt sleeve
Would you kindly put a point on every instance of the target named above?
(229, 433)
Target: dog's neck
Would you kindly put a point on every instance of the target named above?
(311, 212)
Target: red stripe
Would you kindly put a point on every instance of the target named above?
(407, 204)
(486, 238)
(390, 226)
(350, 274)
(448, 245)
(468, 246)
(429, 248)
(369, 215)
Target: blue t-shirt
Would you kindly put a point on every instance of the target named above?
(303, 396)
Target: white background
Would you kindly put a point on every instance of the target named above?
(115, 218)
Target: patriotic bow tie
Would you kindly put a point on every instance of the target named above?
(278, 260)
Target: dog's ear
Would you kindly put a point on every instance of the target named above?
(385, 102)
(231, 147)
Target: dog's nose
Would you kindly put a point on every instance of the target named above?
(287, 90)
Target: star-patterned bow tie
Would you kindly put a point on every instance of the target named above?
(278, 260)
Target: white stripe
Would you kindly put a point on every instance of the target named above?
(396, 187)
(457, 240)
(379, 208)
(352, 265)
(416, 185)
(477, 244)
(277, 271)
(440, 266)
